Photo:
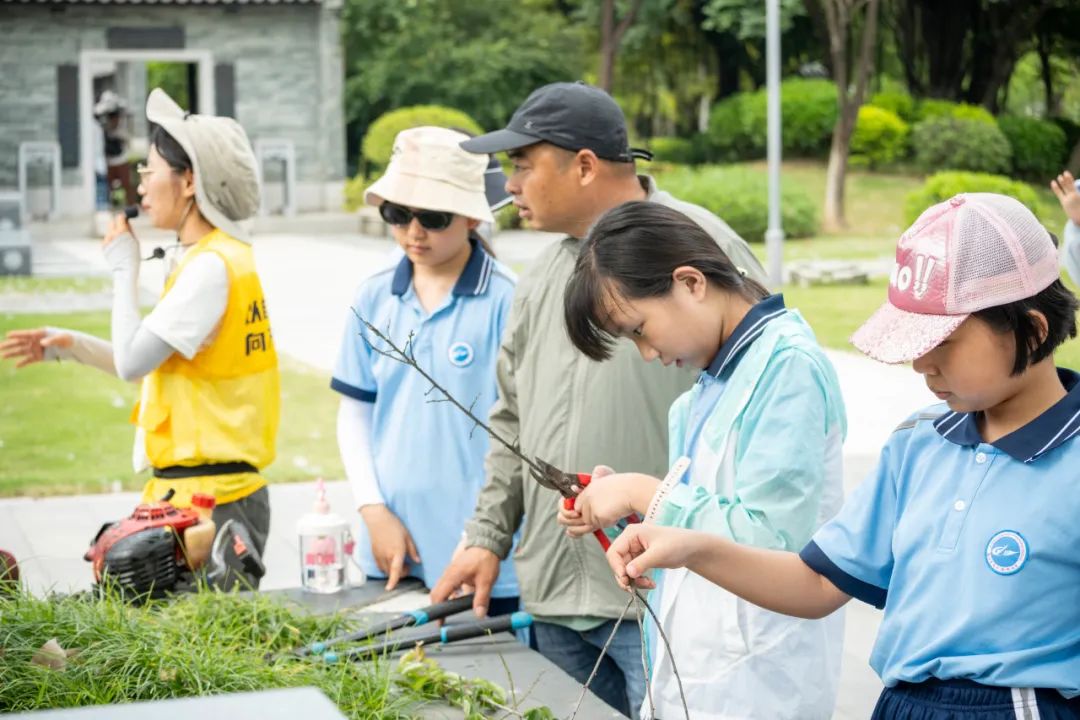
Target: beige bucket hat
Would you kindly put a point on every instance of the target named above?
(429, 170)
(226, 179)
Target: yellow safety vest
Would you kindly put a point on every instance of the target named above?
(222, 405)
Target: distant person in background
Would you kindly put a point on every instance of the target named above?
(110, 113)
(1067, 190)
(101, 169)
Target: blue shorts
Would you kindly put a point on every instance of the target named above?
(967, 700)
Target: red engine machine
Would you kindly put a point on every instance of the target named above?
(143, 553)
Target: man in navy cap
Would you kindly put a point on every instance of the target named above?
(572, 163)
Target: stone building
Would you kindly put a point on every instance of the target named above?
(274, 65)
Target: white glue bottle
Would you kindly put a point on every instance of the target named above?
(322, 536)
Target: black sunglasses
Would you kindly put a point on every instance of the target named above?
(428, 219)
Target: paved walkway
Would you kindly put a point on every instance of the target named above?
(309, 283)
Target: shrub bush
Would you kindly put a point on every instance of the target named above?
(943, 185)
(1039, 147)
(880, 137)
(737, 125)
(678, 150)
(379, 140)
(898, 102)
(354, 191)
(961, 111)
(947, 143)
(737, 128)
(809, 114)
(739, 195)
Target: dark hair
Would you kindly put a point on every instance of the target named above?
(170, 150)
(477, 237)
(634, 249)
(1056, 303)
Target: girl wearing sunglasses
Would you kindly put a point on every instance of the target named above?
(416, 466)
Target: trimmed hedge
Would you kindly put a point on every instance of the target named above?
(739, 196)
(1039, 147)
(379, 140)
(674, 150)
(880, 137)
(961, 111)
(948, 143)
(898, 102)
(737, 128)
(943, 185)
(354, 191)
(737, 125)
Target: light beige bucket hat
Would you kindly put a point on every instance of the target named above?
(226, 178)
(428, 170)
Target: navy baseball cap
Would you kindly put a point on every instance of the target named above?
(573, 116)
(495, 185)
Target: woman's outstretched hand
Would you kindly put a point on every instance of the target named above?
(30, 346)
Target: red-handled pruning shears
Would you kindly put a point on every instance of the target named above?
(563, 482)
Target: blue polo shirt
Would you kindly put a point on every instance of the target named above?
(429, 459)
(972, 549)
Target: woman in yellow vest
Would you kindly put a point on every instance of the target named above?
(207, 416)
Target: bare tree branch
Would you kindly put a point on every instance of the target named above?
(403, 355)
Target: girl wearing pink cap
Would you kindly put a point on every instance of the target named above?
(966, 532)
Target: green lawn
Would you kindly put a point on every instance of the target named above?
(64, 427)
(874, 210)
(83, 284)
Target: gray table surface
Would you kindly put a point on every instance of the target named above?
(499, 658)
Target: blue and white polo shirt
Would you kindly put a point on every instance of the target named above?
(428, 457)
(972, 549)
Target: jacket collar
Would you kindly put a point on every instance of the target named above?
(746, 332)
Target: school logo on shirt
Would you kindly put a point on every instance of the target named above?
(1007, 552)
(461, 354)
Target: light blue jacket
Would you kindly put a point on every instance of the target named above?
(766, 470)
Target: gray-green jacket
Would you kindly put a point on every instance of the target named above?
(575, 413)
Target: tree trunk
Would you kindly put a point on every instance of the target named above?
(607, 44)
(704, 108)
(611, 35)
(835, 178)
(839, 16)
(1050, 104)
(1000, 35)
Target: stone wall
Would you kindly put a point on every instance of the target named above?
(287, 61)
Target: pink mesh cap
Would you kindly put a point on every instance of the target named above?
(971, 252)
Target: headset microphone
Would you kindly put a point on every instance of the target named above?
(131, 212)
